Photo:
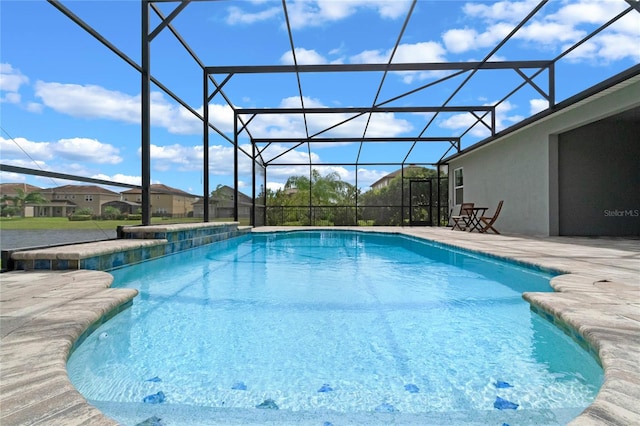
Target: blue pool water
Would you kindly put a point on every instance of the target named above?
(333, 328)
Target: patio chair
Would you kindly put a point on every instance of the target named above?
(488, 221)
(461, 221)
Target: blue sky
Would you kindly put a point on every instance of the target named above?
(68, 104)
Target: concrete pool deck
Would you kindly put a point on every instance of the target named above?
(42, 315)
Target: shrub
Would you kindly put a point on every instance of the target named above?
(83, 211)
(111, 212)
(80, 217)
(134, 217)
(8, 211)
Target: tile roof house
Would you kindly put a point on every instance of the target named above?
(165, 200)
(384, 181)
(65, 200)
(10, 190)
(221, 204)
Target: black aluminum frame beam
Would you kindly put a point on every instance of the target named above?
(357, 139)
(396, 163)
(330, 110)
(35, 172)
(408, 66)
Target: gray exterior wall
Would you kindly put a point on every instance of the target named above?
(522, 168)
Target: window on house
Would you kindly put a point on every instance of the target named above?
(88, 197)
(458, 186)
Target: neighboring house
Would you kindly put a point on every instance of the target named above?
(10, 190)
(571, 170)
(65, 200)
(384, 181)
(221, 204)
(165, 201)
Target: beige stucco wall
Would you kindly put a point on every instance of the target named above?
(521, 168)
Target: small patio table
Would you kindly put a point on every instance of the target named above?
(474, 218)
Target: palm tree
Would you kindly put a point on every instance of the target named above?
(323, 194)
(22, 198)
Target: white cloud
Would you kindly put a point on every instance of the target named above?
(10, 78)
(537, 105)
(184, 158)
(628, 24)
(12, 177)
(589, 11)
(310, 13)
(560, 28)
(11, 98)
(96, 102)
(510, 11)
(275, 186)
(464, 120)
(615, 47)
(428, 51)
(17, 147)
(35, 107)
(89, 101)
(549, 33)
(239, 16)
(190, 159)
(74, 149)
(294, 156)
(462, 40)
(367, 176)
(119, 177)
(606, 48)
(292, 125)
(10, 81)
(87, 150)
(303, 57)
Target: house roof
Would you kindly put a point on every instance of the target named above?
(227, 189)
(79, 189)
(122, 202)
(11, 188)
(158, 188)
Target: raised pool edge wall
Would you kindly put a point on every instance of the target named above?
(135, 244)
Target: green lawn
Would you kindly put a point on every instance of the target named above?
(30, 223)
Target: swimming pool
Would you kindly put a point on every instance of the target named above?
(335, 327)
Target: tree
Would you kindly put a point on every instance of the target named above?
(383, 205)
(22, 198)
(321, 196)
